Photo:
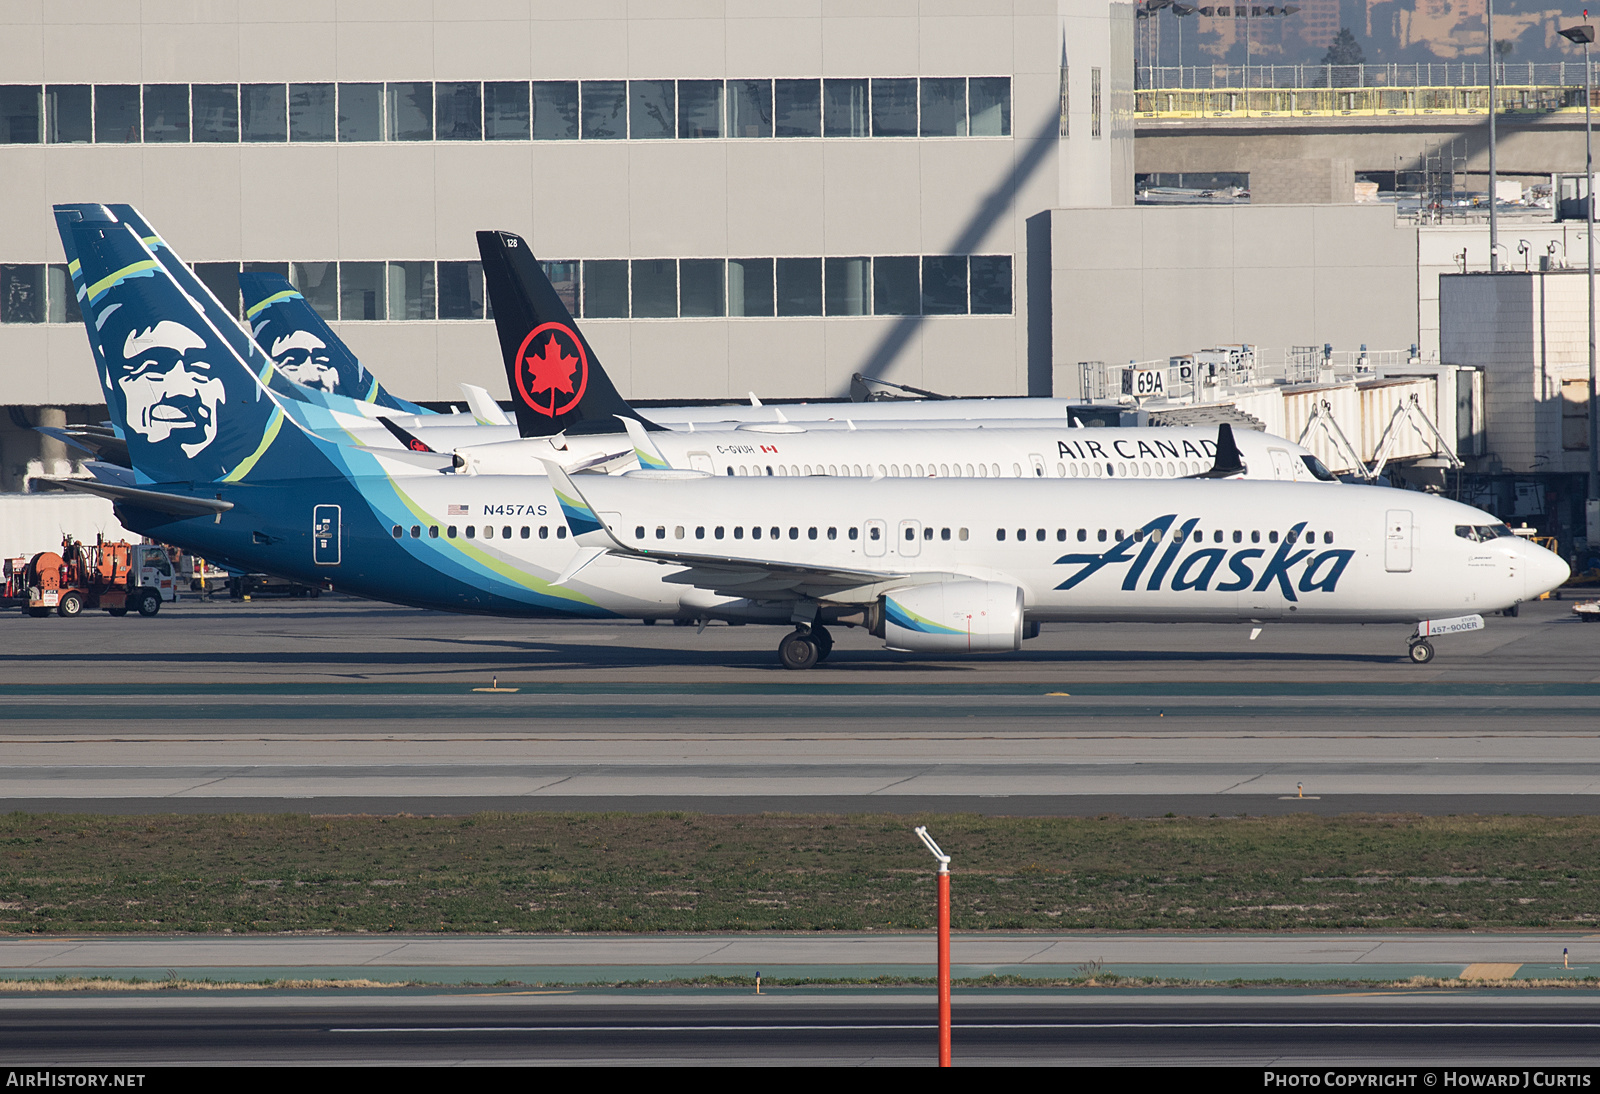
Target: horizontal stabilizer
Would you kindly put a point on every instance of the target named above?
(155, 500)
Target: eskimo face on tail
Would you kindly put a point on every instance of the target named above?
(188, 409)
(170, 388)
(304, 358)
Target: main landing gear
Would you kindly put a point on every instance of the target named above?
(805, 646)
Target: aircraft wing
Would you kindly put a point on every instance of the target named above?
(732, 575)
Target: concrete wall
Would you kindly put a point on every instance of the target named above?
(1528, 332)
(588, 199)
(1137, 284)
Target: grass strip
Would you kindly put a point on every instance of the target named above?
(769, 984)
(685, 872)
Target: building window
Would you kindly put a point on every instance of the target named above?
(61, 301)
(68, 114)
(20, 115)
(458, 111)
(563, 278)
(799, 286)
(506, 116)
(216, 114)
(604, 108)
(845, 111)
(1065, 125)
(797, 108)
(652, 110)
(944, 285)
(991, 284)
(944, 108)
(989, 105)
(318, 282)
(555, 110)
(848, 285)
(749, 108)
(263, 113)
(655, 288)
(22, 293)
(166, 113)
(896, 288)
(116, 113)
(605, 289)
(222, 278)
(700, 288)
(750, 287)
(894, 108)
(361, 295)
(1094, 103)
(699, 108)
(410, 290)
(312, 116)
(460, 290)
(410, 111)
(360, 112)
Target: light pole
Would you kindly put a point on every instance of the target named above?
(1494, 223)
(1584, 34)
(944, 944)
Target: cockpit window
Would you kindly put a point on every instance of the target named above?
(1318, 468)
(1483, 533)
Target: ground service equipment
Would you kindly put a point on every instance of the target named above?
(117, 577)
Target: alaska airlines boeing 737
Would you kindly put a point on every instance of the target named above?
(222, 470)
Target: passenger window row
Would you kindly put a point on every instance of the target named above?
(1217, 535)
(1073, 470)
(487, 532)
(679, 531)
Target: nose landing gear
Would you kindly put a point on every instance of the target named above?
(1421, 652)
(804, 647)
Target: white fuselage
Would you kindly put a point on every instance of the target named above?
(1198, 550)
(974, 452)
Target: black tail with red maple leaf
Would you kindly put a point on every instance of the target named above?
(557, 383)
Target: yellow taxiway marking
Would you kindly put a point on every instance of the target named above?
(1490, 970)
(1060, 694)
(496, 689)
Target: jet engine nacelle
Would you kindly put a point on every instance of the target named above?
(953, 617)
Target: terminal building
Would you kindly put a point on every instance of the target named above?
(733, 196)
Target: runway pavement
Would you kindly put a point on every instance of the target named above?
(1441, 1036)
(337, 705)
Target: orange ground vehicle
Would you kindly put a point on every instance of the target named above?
(116, 577)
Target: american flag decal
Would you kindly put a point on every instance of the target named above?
(456, 511)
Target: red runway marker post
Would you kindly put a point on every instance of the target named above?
(944, 945)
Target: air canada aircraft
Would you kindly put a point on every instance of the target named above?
(931, 565)
(568, 409)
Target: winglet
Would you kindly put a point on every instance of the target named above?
(485, 411)
(649, 456)
(587, 527)
(1229, 462)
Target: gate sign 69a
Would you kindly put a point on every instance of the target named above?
(1144, 381)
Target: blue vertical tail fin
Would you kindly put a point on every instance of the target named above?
(305, 348)
(188, 403)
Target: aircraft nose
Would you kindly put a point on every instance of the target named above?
(1545, 570)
